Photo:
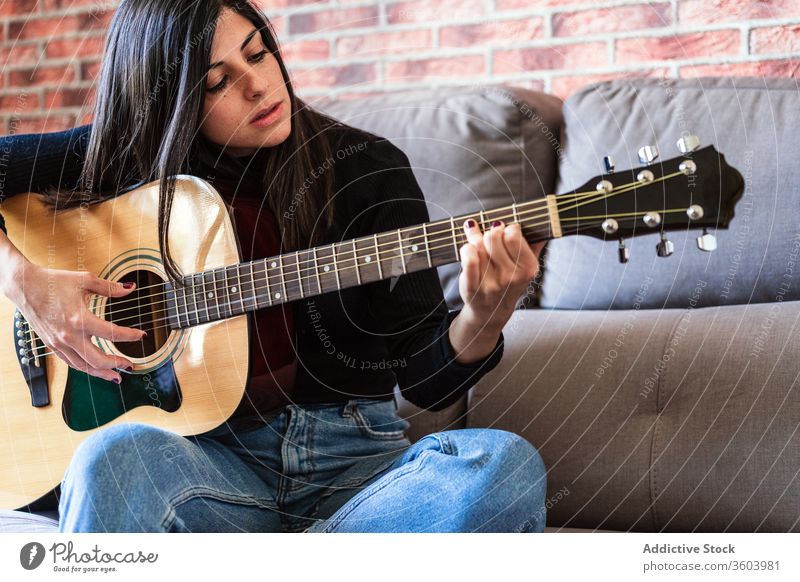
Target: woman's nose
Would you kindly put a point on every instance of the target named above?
(255, 84)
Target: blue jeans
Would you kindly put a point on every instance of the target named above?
(345, 467)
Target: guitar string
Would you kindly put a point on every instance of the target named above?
(298, 280)
(561, 199)
(310, 264)
(598, 196)
(621, 216)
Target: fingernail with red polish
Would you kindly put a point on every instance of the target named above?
(127, 285)
(470, 223)
(496, 223)
(116, 380)
(129, 368)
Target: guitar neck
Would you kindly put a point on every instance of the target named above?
(236, 289)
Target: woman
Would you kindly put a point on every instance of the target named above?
(181, 89)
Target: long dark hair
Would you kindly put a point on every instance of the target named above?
(148, 112)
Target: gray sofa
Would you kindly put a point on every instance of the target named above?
(660, 392)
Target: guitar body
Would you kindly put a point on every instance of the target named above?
(187, 380)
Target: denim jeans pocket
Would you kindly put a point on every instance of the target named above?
(377, 419)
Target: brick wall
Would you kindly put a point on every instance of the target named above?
(50, 49)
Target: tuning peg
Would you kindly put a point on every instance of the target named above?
(624, 252)
(688, 143)
(664, 247)
(608, 164)
(707, 242)
(647, 154)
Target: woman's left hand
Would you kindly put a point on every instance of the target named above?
(497, 266)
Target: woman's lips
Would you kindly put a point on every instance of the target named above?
(272, 116)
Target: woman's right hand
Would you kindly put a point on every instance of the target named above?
(55, 304)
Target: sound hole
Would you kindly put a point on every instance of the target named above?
(143, 308)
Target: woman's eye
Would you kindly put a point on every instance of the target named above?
(218, 87)
(258, 57)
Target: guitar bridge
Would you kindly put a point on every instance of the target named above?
(29, 350)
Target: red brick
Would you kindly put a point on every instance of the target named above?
(19, 54)
(81, 97)
(570, 56)
(383, 43)
(618, 19)
(17, 104)
(775, 39)
(492, 33)
(780, 68)
(423, 11)
(682, 46)
(71, 4)
(44, 27)
(328, 20)
(691, 12)
(42, 76)
(17, 7)
(42, 124)
(407, 71)
(342, 76)
(565, 86)
(90, 71)
(73, 48)
(306, 50)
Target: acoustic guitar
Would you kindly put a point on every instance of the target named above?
(191, 371)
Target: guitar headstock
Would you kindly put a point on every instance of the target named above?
(696, 190)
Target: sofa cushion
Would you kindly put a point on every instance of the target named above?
(754, 123)
(471, 148)
(658, 419)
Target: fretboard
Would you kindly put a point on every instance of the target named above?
(236, 289)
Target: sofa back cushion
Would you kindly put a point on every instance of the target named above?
(471, 148)
(754, 123)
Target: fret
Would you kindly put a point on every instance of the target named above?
(454, 234)
(239, 289)
(283, 278)
(212, 293)
(266, 280)
(316, 270)
(355, 262)
(326, 273)
(377, 256)
(249, 288)
(190, 282)
(440, 249)
(177, 306)
(258, 288)
(400, 246)
(226, 286)
(336, 267)
(205, 298)
(427, 245)
(514, 211)
(483, 221)
(275, 281)
(172, 315)
(299, 273)
(183, 307)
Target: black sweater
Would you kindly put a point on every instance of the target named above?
(353, 343)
